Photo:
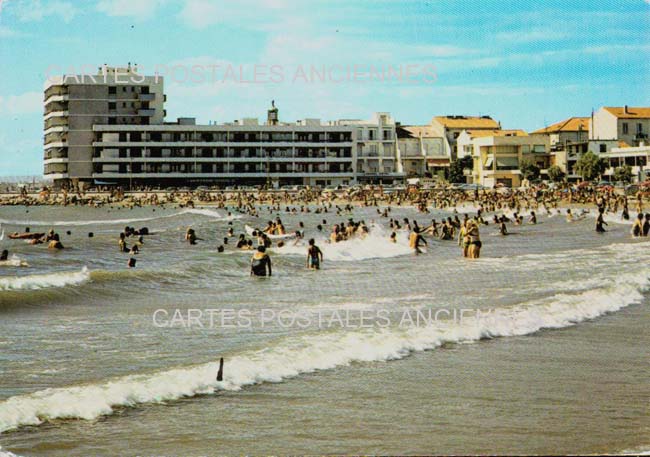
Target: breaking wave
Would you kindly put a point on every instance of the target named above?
(324, 350)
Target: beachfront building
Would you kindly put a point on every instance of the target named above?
(110, 129)
(497, 159)
(637, 158)
(423, 152)
(74, 104)
(567, 156)
(245, 152)
(376, 153)
(467, 146)
(571, 130)
(628, 124)
(450, 127)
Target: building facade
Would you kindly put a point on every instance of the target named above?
(377, 159)
(74, 104)
(421, 150)
(450, 127)
(628, 124)
(497, 159)
(571, 130)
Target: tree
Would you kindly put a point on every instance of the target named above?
(556, 174)
(456, 169)
(623, 174)
(590, 166)
(529, 170)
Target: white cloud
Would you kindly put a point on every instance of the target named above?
(27, 103)
(36, 10)
(139, 9)
(199, 14)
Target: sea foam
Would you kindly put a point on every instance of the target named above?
(324, 350)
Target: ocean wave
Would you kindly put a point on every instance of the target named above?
(375, 245)
(7, 453)
(324, 350)
(44, 281)
(201, 211)
(13, 261)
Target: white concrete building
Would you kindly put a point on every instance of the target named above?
(376, 153)
(637, 158)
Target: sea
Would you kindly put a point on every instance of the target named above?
(541, 346)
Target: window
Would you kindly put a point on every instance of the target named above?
(112, 121)
(112, 90)
(112, 105)
(625, 128)
(639, 128)
(525, 148)
(123, 104)
(539, 148)
(123, 88)
(603, 147)
(371, 134)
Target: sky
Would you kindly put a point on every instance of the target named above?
(526, 63)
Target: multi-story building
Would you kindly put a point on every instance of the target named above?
(451, 127)
(109, 128)
(421, 150)
(74, 104)
(376, 152)
(637, 158)
(239, 153)
(628, 124)
(567, 156)
(571, 130)
(497, 159)
(465, 141)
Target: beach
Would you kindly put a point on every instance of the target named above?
(556, 363)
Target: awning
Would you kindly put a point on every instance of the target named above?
(488, 163)
(438, 162)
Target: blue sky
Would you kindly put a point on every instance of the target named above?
(526, 63)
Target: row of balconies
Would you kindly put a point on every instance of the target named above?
(230, 137)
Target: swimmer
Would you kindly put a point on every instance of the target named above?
(533, 218)
(475, 244)
(600, 221)
(260, 263)
(637, 228)
(314, 256)
(4, 255)
(55, 243)
(415, 240)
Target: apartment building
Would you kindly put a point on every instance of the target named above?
(637, 158)
(450, 127)
(571, 130)
(239, 153)
(109, 128)
(465, 141)
(376, 153)
(422, 151)
(628, 124)
(497, 159)
(74, 104)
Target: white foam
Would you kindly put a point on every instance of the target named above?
(320, 351)
(13, 261)
(44, 281)
(202, 211)
(375, 245)
(7, 453)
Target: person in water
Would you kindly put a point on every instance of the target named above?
(646, 224)
(4, 256)
(600, 221)
(260, 263)
(416, 240)
(55, 243)
(314, 256)
(637, 228)
(475, 244)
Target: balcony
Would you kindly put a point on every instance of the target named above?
(147, 97)
(146, 112)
